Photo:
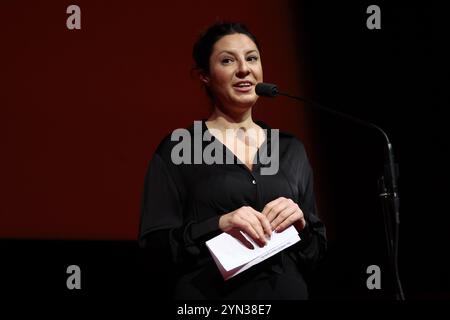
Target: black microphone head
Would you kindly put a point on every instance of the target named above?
(266, 89)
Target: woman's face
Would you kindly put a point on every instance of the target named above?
(234, 70)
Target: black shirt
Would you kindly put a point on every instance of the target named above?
(182, 204)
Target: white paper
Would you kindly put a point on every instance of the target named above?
(233, 255)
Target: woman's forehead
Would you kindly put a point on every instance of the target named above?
(237, 42)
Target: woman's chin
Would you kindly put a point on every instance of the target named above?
(245, 101)
(245, 105)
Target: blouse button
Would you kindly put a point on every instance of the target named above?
(254, 181)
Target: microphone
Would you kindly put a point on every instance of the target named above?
(266, 89)
(388, 194)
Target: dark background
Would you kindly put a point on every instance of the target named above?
(393, 77)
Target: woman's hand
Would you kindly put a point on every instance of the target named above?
(248, 220)
(283, 212)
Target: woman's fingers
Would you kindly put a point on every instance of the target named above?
(281, 213)
(265, 224)
(253, 222)
(274, 208)
(269, 210)
(247, 219)
(248, 228)
(290, 219)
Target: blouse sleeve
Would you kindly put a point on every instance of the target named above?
(162, 225)
(311, 249)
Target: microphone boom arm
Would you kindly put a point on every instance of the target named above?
(389, 195)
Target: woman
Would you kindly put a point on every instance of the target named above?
(186, 204)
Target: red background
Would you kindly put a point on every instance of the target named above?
(83, 110)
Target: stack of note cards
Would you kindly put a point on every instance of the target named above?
(235, 252)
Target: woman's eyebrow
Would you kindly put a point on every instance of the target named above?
(234, 52)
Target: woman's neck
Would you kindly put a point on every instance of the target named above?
(222, 121)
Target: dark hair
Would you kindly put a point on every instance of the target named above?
(203, 47)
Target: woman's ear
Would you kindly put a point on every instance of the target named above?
(204, 78)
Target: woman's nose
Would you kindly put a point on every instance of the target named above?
(243, 69)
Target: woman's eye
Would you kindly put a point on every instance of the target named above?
(226, 60)
(252, 58)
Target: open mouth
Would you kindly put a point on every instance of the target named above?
(243, 86)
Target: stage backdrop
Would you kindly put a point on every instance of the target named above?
(83, 110)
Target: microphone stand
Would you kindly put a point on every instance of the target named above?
(387, 185)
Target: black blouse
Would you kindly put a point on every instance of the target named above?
(182, 204)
